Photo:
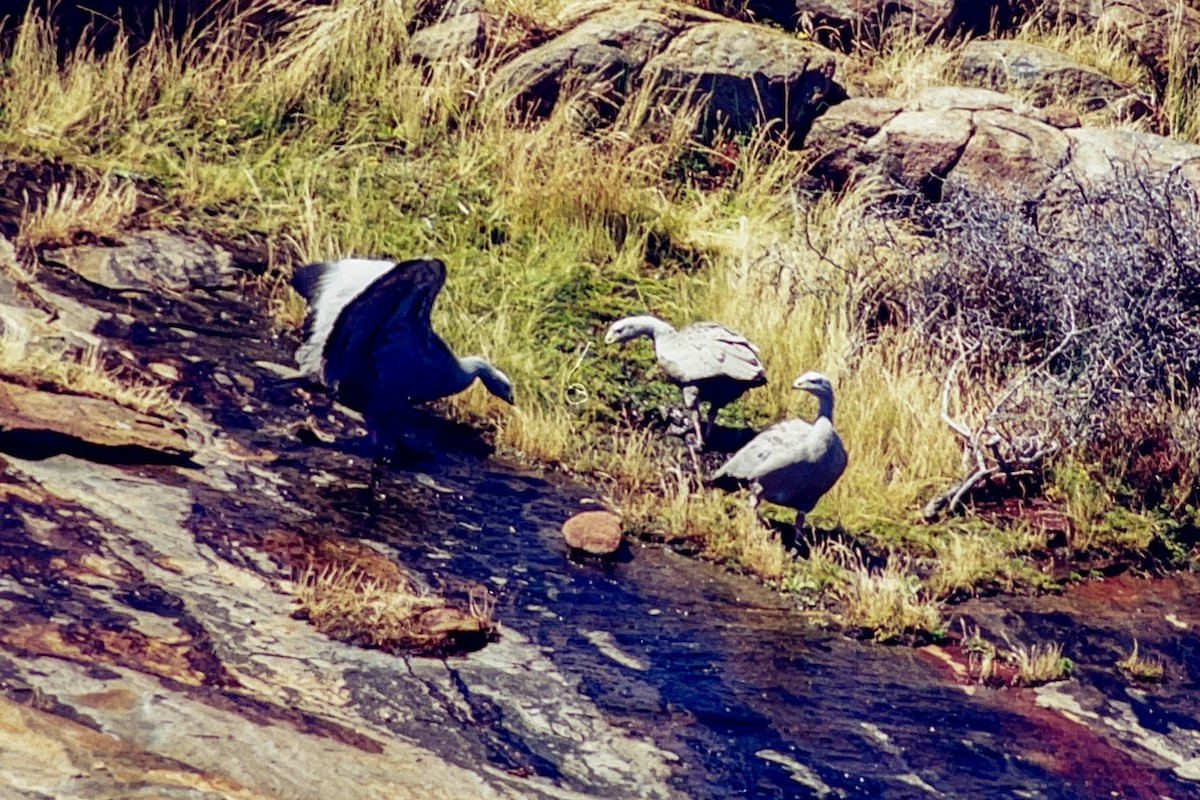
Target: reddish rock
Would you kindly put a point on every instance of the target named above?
(595, 532)
(91, 420)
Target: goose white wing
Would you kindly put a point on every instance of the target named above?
(778, 446)
(329, 287)
(706, 350)
(386, 327)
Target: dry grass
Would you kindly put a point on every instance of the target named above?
(70, 210)
(1038, 663)
(902, 66)
(1141, 668)
(982, 656)
(965, 562)
(891, 602)
(1181, 95)
(79, 371)
(365, 608)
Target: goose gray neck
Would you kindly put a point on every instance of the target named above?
(497, 382)
(825, 408)
(646, 325)
(825, 405)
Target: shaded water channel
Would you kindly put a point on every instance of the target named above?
(755, 699)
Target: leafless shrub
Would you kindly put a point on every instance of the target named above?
(1053, 325)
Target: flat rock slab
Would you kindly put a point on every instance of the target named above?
(90, 420)
(150, 261)
(594, 532)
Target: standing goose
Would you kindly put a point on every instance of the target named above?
(794, 462)
(368, 338)
(708, 361)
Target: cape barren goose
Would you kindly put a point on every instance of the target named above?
(709, 362)
(794, 462)
(368, 338)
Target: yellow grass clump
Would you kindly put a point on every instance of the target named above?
(1038, 663)
(890, 601)
(1138, 667)
(78, 371)
(390, 612)
(70, 210)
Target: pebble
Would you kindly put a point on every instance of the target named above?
(595, 532)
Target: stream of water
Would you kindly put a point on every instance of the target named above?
(755, 699)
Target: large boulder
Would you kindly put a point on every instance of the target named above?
(1045, 76)
(952, 139)
(747, 76)
(1153, 28)
(460, 37)
(605, 52)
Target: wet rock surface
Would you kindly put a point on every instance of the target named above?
(151, 645)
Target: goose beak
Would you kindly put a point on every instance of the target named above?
(801, 383)
(610, 337)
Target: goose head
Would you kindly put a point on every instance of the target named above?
(818, 385)
(632, 327)
(494, 380)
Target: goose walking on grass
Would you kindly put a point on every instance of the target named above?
(794, 462)
(708, 361)
(368, 338)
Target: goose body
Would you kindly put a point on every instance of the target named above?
(706, 360)
(368, 337)
(792, 463)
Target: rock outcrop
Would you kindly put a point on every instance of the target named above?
(746, 77)
(151, 261)
(459, 38)
(953, 139)
(743, 75)
(1043, 76)
(604, 53)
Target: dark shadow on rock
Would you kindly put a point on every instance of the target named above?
(40, 445)
(622, 555)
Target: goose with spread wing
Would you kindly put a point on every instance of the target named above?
(792, 463)
(368, 337)
(708, 361)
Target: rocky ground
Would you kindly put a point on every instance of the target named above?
(152, 645)
(149, 558)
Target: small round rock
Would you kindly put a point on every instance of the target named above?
(595, 532)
